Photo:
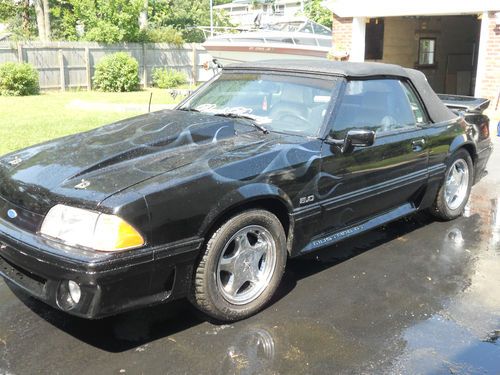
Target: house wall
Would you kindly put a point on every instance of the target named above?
(489, 81)
(342, 34)
(457, 40)
(456, 49)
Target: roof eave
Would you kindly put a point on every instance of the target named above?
(396, 8)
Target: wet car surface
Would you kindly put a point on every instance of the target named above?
(414, 296)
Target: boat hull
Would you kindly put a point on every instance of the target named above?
(238, 53)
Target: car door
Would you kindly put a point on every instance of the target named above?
(360, 182)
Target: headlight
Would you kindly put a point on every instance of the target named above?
(95, 230)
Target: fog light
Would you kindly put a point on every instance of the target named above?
(74, 291)
(68, 295)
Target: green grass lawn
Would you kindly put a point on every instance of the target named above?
(28, 120)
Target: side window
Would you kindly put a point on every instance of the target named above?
(416, 105)
(380, 105)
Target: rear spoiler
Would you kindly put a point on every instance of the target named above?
(464, 103)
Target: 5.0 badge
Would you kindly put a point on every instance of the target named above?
(308, 199)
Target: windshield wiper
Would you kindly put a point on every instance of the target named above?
(246, 117)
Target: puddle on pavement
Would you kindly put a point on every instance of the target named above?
(463, 337)
(440, 345)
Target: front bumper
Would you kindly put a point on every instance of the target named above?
(110, 283)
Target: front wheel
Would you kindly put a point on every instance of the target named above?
(455, 190)
(241, 267)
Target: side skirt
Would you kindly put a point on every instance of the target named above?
(363, 226)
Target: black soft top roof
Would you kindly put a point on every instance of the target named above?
(438, 112)
(346, 69)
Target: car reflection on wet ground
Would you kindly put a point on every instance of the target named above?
(416, 296)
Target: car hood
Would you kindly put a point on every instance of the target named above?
(89, 167)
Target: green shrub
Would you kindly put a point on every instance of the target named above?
(163, 35)
(18, 79)
(165, 78)
(105, 32)
(117, 73)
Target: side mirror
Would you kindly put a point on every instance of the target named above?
(353, 138)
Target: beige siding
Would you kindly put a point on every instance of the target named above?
(456, 48)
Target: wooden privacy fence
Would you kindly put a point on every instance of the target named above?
(65, 65)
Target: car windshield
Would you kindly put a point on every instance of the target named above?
(280, 103)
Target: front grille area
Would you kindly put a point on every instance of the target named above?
(22, 277)
(24, 219)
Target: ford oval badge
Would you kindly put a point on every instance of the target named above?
(12, 214)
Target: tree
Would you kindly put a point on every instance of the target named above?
(111, 21)
(42, 11)
(318, 13)
(185, 16)
(7, 10)
(143, 17)
(19, 17)
(25, 12)
(107, 21)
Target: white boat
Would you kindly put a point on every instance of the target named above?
(297, 39)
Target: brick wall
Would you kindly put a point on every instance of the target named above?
(342, 34)
(490, 83)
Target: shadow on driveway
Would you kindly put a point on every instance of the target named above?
(136, 328)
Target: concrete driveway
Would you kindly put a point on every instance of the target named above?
(416, 296)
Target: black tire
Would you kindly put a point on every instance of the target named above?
(206, 294)
(440, 208)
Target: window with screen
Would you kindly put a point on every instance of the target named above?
(427, 51)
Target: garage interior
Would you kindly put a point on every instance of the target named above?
(444, 48)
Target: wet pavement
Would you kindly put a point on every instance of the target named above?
(414, 297)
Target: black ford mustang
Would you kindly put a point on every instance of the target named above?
(267, 161)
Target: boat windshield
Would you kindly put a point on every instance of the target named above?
(286, 26)
(301, 27)
(280, 103)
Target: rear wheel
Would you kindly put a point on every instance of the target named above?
(455, 190)
(241, 267)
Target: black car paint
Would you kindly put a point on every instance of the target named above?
(176, 175)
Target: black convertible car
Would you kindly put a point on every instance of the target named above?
(267, 161)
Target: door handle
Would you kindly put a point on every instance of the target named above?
(418, 144)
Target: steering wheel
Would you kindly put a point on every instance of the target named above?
(294, 122)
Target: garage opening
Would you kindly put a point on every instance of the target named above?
(444, 48)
